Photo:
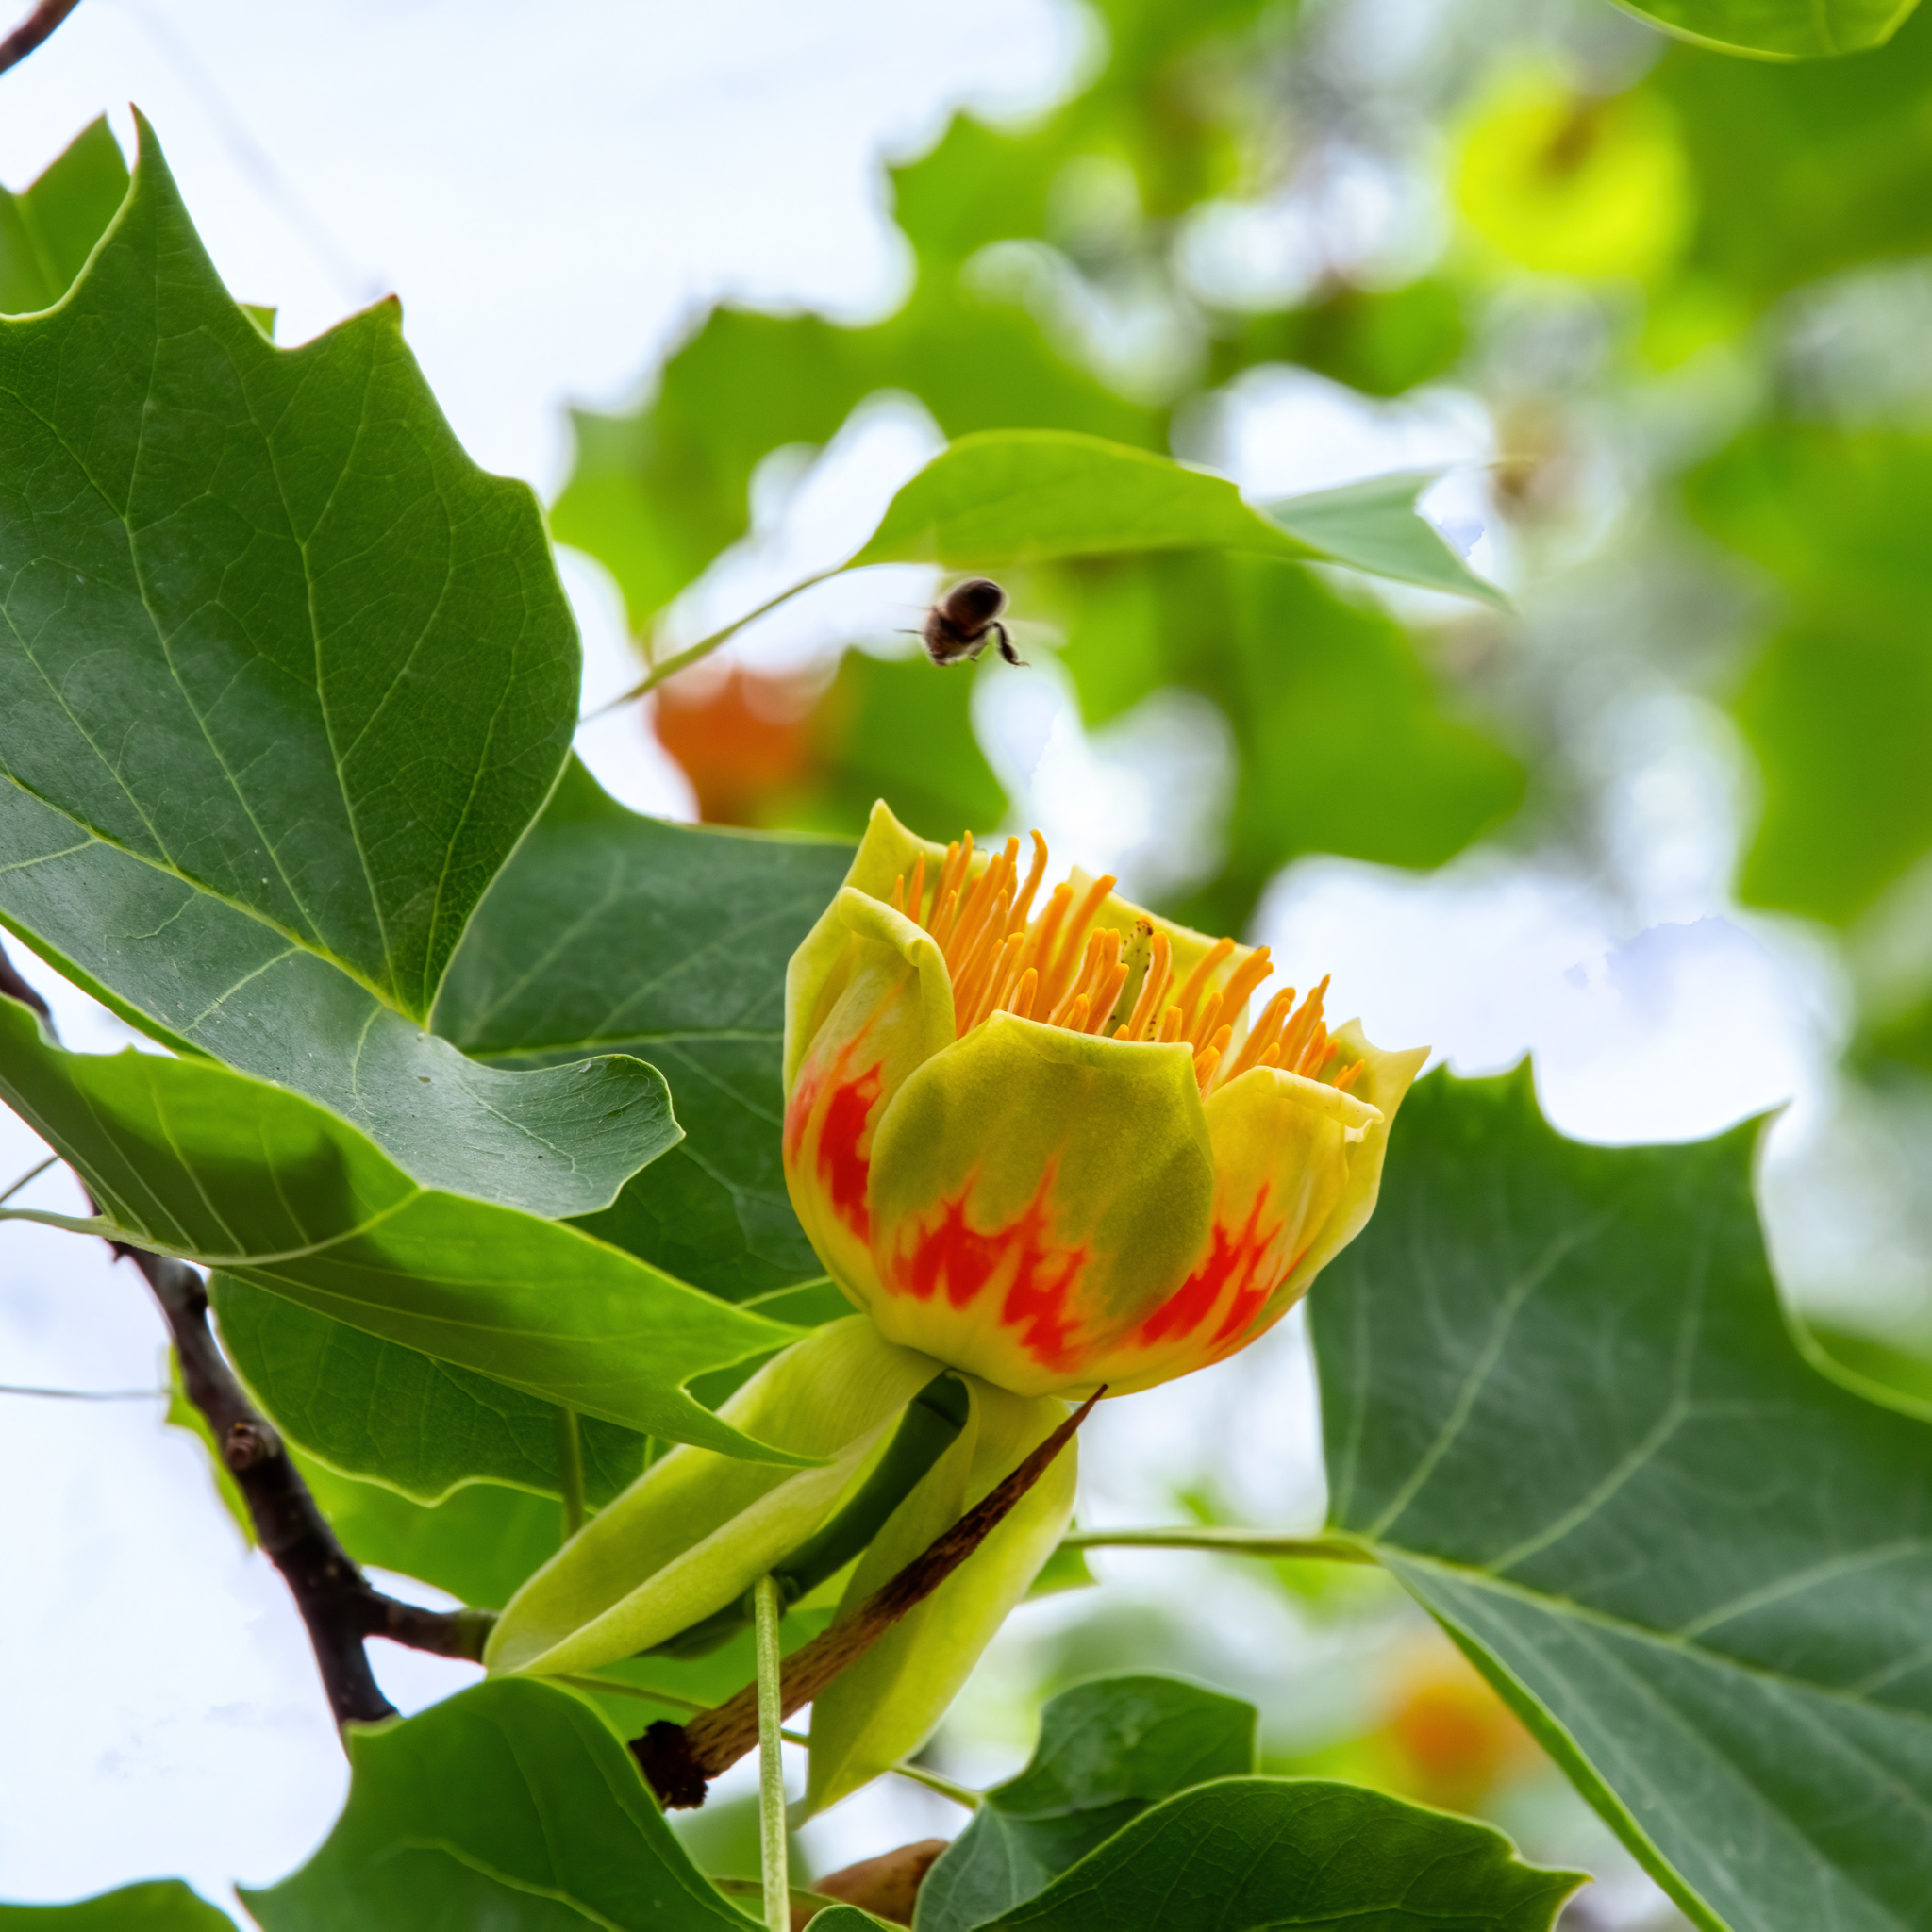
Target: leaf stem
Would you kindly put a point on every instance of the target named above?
(960, 1794)
(1238, 1542)
(692, 654)
(767, 1609)
(33, 1173)
(570, 1469)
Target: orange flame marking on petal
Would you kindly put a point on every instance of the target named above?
(1236, 1267)
(1033, 1274)
(842, 1169)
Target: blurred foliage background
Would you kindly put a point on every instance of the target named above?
(1681, 297)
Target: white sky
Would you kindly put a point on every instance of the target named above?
(553, 192)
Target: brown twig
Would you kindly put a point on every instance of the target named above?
(33, 30)
(679, 1761)
(338, 1609)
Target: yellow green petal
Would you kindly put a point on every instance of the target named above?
(694, 1531)
(885, 1706)
(1033, 1193)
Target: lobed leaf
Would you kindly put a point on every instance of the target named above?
(283, 677)
(1107, 1750)
(1027, 496)
(176, 1154)
(510, 1805)
(1562, 1404)
(48, 230)
(1254, 1854)
(609, 933)
(158, 1905)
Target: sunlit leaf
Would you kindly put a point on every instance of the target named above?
(1010, 498)
(1779, 29)
(48, 230)
(188, 1158)
(375, 1408)
(1707, 1588)
(510, 1805)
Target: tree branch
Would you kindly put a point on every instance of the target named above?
(33, 30)
(679, 1761)
(338, 1609)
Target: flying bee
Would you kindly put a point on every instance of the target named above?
(964, 621)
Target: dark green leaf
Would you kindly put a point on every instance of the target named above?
(48, 230)
(512, 1806)
(161, 1904)
(283, 676)
(1107, 1751)
(1779, 29)
(176, 1152)
(611, 933)
(1562, 1404)
(1254, 1855)
(377, 1410)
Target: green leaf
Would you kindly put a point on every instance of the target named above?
(1254, 1854)
(1025, 496)
(283, 677)
(1778, 29)
(48, 230)
(478, 1544)
(176, 1151)
(611, 933)
(161, 1905)
(1839, 708)
(510, 1805)
(375, 1409)
(842, 1918)
(1107, 1750)
(1560, 1402)
(1374, 525)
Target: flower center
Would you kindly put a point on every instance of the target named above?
(1062, 971)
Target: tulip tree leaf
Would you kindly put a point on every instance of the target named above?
(1107, 1750)
(1254, 1854)
(190, 1159)
(1374, 525)
(480, 1543)
(283, 676)
(1778, 29)
(611, 933)
(1025, 496)
(161, 1905)
(48, 230)
(375, 1409)
(512, 1806)
(1707, 1589)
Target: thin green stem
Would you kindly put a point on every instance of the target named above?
(570, 1469)
(1237, 1542)
(83, 1394)
(33, 1173)
(960, 1794)
(692, 653)
(767, 1609)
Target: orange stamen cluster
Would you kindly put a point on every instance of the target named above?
(1060, 969)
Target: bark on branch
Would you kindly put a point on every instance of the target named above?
(679, 1761)
(33, 30)
(340, 1609)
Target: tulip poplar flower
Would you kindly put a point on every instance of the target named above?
(1048, 1149)
(1039, 1152)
